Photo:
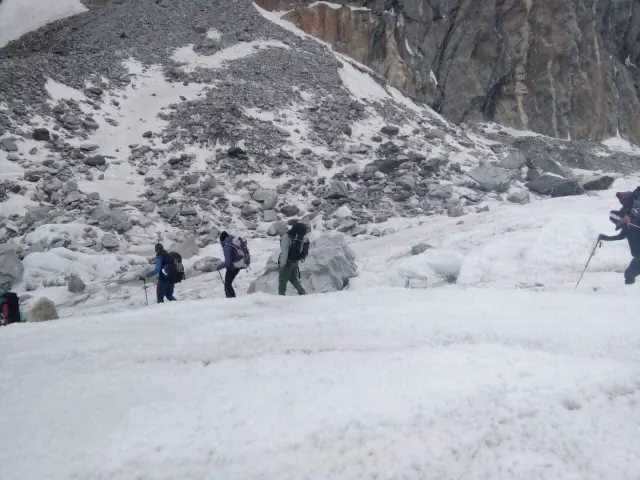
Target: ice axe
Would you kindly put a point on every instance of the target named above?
(593, 252)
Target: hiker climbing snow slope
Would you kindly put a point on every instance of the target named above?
(629, 230)
(294, 248)
(236, 258)
(169, 269)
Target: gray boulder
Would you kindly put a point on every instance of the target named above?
(420, 248)
(110, 241)
(188, 248)
(521, 197)
(406, 182)
(262, 195)
(390, 130)
(548, 184)
(76, 285)
(206, 265)
(337, 189)
(328, 268)
(269, 216)
(43, 311)
(491, 178)
(11, 267)
(9, 145)
(35, 214)
(41, 135)
(95, 161)
(514, 160)
(289, 210)
(601, 183)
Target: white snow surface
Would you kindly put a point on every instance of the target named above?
(18, 17)
(383, 383)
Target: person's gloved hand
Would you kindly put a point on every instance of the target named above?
(142, 277)
(600, 237)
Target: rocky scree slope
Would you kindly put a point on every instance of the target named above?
(567, 69)
(149, 118)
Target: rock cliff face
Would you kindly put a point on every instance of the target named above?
(565, 68)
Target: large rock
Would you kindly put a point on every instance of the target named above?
(547, 184)
(601, 183)
(514, 160)
(521, 197)
(76, 285)
(390, 130)
(43, 311)
(328, 268)
(11, 267)
(336, 190)
(9, 145)
(491, 178)
(41, 135)
(268, 197)
(206, 265)
(110, 241)
(188, 248)
(95, 161)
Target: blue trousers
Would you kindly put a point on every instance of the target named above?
(164, 289)
(632, 271)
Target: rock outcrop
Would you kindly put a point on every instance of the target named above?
(562, 68)
(43, 310)
(11, 268)
(328, 268)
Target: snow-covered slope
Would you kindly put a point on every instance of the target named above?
(386, 383)
(18, 17)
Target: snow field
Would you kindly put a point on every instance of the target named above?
(385, 383)
(544, 244)
(540, 246)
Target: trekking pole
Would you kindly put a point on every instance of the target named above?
(593, 252)
(146, 299)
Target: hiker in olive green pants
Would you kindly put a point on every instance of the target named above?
(289, 273)
(288, 262)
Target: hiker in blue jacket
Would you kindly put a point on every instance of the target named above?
(632, 234)
(164, 288)
(229, 263)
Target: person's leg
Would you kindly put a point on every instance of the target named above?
(283, 278)
(632, 271)
(295, 281)
(169, 292)
(229, 277)
(160, 292)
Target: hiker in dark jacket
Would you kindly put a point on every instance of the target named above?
(630, 206)
(164, 288)
(230, 258)
(289, 269)
(632, 235)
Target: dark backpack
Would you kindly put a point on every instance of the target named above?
(299, 249)
(173, 266)
(243, 256)
(9, 308)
